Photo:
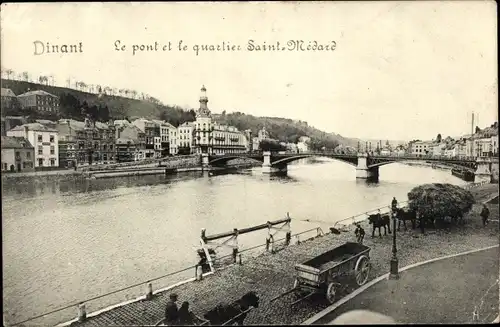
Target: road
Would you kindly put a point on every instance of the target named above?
(442, 292)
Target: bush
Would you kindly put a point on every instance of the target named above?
(439, 201)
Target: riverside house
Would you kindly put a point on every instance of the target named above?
(44, 139)
(86, 143)
(131, 144)
(18, 154)
(152, 131)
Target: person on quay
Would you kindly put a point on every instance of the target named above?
(485, 213)
(394, 204)
(187, 317)
(171, 311)
(360, 233)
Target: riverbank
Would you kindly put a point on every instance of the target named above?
(272, 274)
(181, 164)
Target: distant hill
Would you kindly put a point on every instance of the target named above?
(119, 107)
(283, 129)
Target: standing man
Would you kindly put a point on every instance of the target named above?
(360, 234)
(485, 213)
(171, 311)
(394, 204)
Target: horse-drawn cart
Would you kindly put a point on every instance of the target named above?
(332, 272)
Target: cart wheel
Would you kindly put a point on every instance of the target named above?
(330, 293)
(362, 270)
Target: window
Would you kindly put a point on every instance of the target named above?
(51, 149)
(52, 139)
(52, 162)
(40, 162)
(4, 166)
(40, 139)
(28, 155)
(40, 150)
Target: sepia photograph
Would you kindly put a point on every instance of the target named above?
(249, 163)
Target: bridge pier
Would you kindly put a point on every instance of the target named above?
(204, 160)
(483, 171)
(267, 168)
(362, 169)
(271, 169)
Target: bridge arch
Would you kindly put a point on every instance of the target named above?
(226, 158)
(470, 168)
(284, 161)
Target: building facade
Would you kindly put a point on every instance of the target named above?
(86, 143)
(185, 138)
(8, 98)
(18, 154)
(45, 141)
(40, 101)
(136, 151)
(153, 137)
(228, 139)
(213, 138)
(421, 148)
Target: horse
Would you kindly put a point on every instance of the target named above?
(378, 220)
(223, 313)
(404, 215)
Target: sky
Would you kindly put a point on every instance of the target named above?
(399, 70)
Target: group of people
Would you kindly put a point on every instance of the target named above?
(180, 316)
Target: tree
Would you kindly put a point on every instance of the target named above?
(9, 72)
(477, 130)
(271, 145)
(438, 138)
(436, 202)
(69, 106)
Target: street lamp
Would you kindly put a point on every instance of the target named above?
(394, 274)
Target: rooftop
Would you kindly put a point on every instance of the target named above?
(34, 127)
(37, 92)
(7, 93)
(125, 140)
(14, 142)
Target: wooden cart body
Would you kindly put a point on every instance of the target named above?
(333, 270)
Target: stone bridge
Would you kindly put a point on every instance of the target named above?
(367, 166)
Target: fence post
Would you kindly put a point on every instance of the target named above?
(239, 256)
(198, 274)
(149, 294)
(288, 237)
(298, 239)
(82, 312)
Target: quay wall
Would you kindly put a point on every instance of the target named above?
(189, 161)
(494, 171)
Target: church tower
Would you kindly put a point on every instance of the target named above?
(203, 125)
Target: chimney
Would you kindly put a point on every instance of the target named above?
(25, 131)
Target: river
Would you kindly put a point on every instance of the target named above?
(67, 241)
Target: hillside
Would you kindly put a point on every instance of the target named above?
(118, 107)
(283, 129)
